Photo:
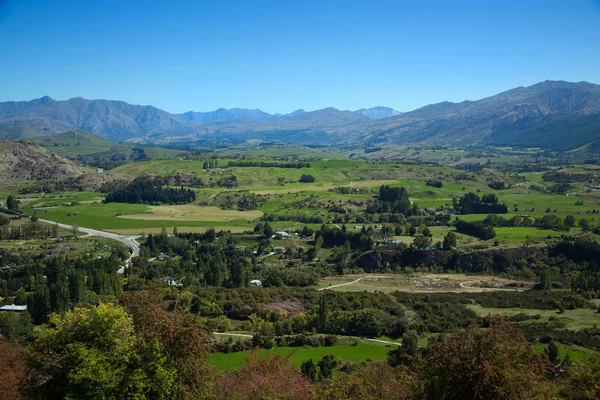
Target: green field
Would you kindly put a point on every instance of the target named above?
(360, 352)
(574, 319)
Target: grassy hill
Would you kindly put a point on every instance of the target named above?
(88, 148)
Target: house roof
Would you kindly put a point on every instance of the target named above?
(13, 307)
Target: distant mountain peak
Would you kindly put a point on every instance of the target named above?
(378, 112)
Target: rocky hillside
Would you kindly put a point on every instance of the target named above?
(25, 161)
(558, 115)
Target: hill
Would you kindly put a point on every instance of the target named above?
(88, 148)
(115, 120)
(26, 161)
(556, 115)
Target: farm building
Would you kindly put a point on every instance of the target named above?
(278, 249)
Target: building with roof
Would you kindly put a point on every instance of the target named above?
(13, 308)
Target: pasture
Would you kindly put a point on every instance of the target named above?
(361, 352)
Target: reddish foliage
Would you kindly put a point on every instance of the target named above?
(374, 380)
(12, 370)
(180, 335)
(495, 363)
(271, 376)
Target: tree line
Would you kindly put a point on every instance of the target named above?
(148, 190)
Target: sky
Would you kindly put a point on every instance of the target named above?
(283, 55)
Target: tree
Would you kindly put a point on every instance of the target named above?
(373, 380)
(552, 353)
(546, 278)
(12, 370)
(91, 353)
(426, 232)
(172, 342)
(267, 230)
(412, 230)
(40, 304)
(585, 379)
(12, 203)
(309, 370)
(398, 230)
(408, 349)
(271, 376)
(449, 241)
(496, 363)
(323, 312)
(569, 221)
(326, 366)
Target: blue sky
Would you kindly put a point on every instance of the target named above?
(283, 55)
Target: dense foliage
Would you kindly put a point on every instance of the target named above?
(147, 189)
(471, 203)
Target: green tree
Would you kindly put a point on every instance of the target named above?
(309, 370)
(267, 230)
(408, 349)
(569, 221)
(326, 366)
(546, 278)
(449, 241)
(40, 304)
(91, 353)
(585, 379)
(12, 203)
(552, 353)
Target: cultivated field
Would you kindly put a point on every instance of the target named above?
(189, 212)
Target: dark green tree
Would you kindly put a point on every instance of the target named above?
(12, 203)
(309, 370)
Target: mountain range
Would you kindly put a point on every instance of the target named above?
(552, 114)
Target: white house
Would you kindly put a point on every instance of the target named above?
(255, 282)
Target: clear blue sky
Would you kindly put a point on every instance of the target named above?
(285, 54)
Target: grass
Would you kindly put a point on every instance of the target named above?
(298, 355)
(574, 319)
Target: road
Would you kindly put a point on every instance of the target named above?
(340, 284)
(129, 241)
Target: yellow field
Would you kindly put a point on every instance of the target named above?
(180, 229)
(189, 212)
(327, 186)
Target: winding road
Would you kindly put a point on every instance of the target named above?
(129, 241)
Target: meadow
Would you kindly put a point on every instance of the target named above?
(360, 352)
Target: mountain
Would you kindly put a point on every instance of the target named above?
(223, 114)
(26, 161)
(378, 112)
(115, 120)
(553, 114)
